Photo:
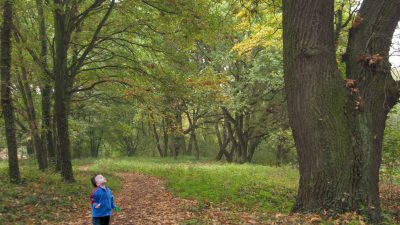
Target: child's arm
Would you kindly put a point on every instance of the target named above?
(112, 200)
(94, 198)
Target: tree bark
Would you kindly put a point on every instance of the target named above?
(26, 93)
(157, 139)
(62, 98)
(378, 93)
(55, 141)
(165, 137)
(193, 136)
(41, 155)
(46, 136)
(338, 125)
(95, 141)
(6, 98)
(223, 142)
(179, 143)
(29, 148)
(253, 144)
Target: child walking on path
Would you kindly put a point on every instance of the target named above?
(102, 201)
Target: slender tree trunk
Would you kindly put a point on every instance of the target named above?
(6, 98)
(223, 142)
(165, 137)
(77, 148)
(242, 138)
(62, 81)
(179, 137)
(95, 141)
(55, 141)
(219, 139)
(41, 155)
(47, 136)
(193, 136)
(157, 138)
(25, 89)
(338, 126)
(29, 148)
(253, 144)
(189, 146)
(196, 145)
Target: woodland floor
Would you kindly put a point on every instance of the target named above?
(145, 200)
(150, 192)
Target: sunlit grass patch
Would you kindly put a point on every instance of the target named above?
(244, 186)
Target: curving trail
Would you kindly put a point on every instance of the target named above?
(145, 200)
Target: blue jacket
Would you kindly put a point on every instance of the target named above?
(105, 198)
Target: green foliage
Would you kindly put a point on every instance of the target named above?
(391, 148)
(277, 150)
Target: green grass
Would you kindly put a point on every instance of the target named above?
(43, 196)
(247, 186)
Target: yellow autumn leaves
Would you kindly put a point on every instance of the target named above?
(261, 28)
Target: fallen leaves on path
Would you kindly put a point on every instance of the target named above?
(145, 200)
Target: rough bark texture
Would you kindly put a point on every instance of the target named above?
(62, 98)
(6, 99)
(47, 134)
(377, 94)
(338, 125)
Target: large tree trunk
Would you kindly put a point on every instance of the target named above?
(378, 93)
(62, 95)
(338, 126)
(6, 98)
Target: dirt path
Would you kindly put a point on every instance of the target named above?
(145, 200)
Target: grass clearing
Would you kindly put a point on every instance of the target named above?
(43, 198)
(248, 186)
